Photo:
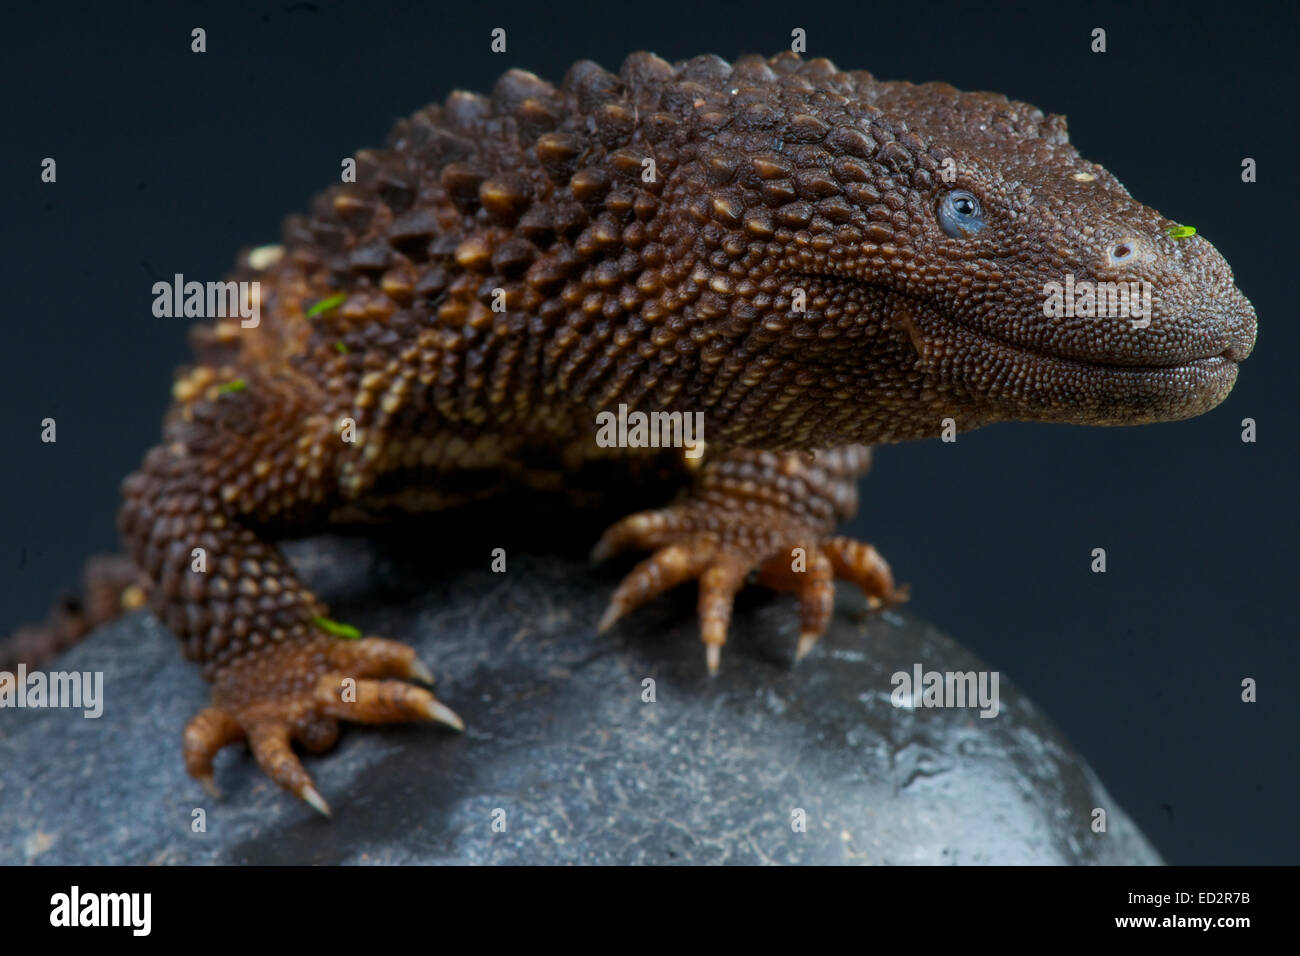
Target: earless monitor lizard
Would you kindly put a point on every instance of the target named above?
(807, 261)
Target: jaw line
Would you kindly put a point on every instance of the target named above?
(949, 329)
(1031, 385)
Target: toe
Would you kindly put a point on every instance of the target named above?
(647, 530)
(316, 733)
(381, 702)
(813, 584)
(378, 657)
(660, 572)
(816, 593)
(862, 564)
(270, 742)
(207, 732)
(718, 587)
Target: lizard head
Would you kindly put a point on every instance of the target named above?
(916, 253)
(1047, 292)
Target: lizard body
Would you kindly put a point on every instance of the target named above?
(815, 260)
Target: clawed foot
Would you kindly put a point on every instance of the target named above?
(300, 691)
(721, 550)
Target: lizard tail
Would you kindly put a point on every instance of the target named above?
(111, 586)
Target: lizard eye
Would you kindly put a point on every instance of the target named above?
(960, 214)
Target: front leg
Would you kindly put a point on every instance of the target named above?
(773, 512)
(237, 469)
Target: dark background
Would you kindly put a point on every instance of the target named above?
(170, 161)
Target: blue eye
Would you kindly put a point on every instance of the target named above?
(960, 214)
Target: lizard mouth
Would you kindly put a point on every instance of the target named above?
(1231, 354)
(1041, 384)
(931, 329)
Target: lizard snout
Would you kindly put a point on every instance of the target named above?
(1242, 325)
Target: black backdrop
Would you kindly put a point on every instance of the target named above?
(169, 161)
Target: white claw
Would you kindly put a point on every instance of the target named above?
(210, 785)
(713, 658)
(444, 715)
(607, 619)
(315, 800)
(807, 641)
(418, 671)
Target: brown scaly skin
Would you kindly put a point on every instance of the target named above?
(670, 291)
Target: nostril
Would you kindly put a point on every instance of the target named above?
(1121, 252)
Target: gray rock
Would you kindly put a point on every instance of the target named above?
(561, 744)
